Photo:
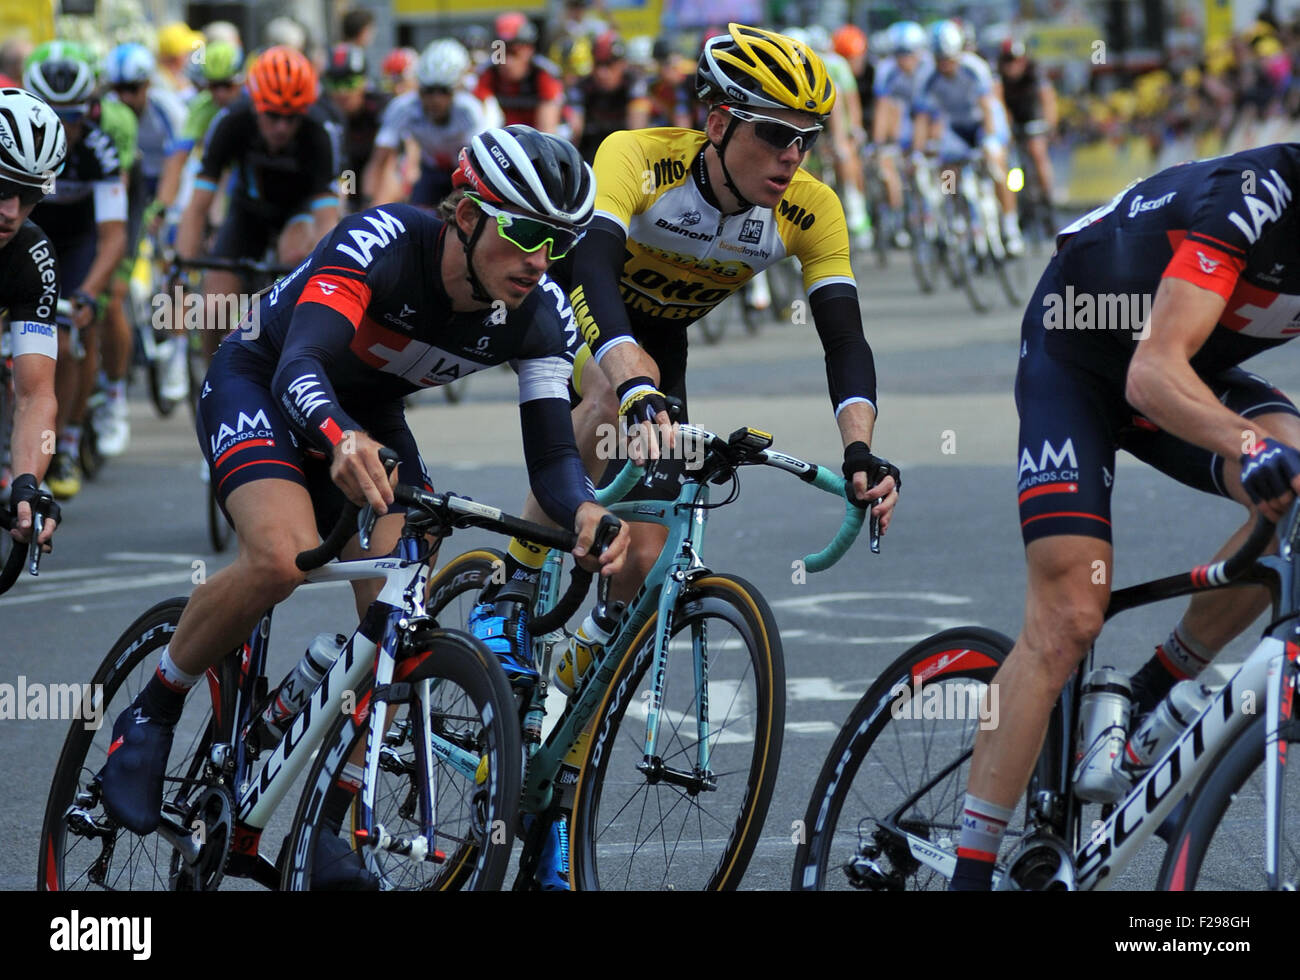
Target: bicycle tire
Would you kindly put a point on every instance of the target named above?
(610, 784)
(1209, 849)
(712, 327)
(89, 456)
(474, 702)
(125, 670)
(964, 654)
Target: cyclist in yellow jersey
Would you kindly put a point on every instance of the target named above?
(683, 219)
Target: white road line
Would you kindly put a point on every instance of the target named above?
(823, 689)
(810, 603)
(96, 588)
(163, 556)
(811, 728)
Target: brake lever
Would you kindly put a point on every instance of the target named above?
(33, 543)
(873, 533)
(368, 516)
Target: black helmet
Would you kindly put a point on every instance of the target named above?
(346, 61)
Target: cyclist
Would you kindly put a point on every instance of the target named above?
(33, 148)
(896, 85)
(728, 203)
(526, 86)
(358, 111)
(160, 115)
(394, 300)
(611, 98)
(1031, 102)
(441, 118)
(177, 48)
(283, 160)
(846, 136)
(956, 111)
(85, 220)
(1216, 251)
(670, 95)
(398, 70)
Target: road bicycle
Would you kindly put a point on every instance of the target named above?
(667, 751)
(431, 709)
(257, 276)
(885, 811)
(972, 230)
(1037, 215)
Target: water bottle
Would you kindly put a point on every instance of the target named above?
(1103, 727)
(296, 688)
(1185, 701)
(584, 648)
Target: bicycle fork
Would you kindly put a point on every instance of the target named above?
(686, 569)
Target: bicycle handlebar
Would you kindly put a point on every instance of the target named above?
(251, 266)
(29, 554)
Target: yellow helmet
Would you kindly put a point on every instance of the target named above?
(755, 67)
(177, 39)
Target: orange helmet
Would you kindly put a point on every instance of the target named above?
(849, 41)
(282, 80)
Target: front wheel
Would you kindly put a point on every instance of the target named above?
(887, 805)
(448, 777)
(690, 817)
(1220, 843)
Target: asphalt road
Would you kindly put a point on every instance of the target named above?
(952, 557)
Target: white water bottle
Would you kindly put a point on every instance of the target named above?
(1104, 708)
(1161, 728)
(298, 686)
(584, 650)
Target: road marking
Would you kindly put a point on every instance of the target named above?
(811, 728)
(823, 689)
(164, 556)
(97, 588)
(813, 603)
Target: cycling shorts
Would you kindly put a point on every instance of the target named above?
(431, 187)
(1072, 421)
(247, 235)
(76, 256)
(244, 437)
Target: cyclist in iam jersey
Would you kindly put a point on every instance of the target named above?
(1133, 340)
(293, 415)
(33, 147)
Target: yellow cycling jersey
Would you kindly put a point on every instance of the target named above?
(684, 257)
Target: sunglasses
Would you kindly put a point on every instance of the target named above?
(530, 234)
(225, 83)
(349, 84)
(129, 88)
(284, 118)
(776, 133)
(27, 196)
(435, 90)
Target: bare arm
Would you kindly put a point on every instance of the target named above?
(190, 233)
(548, 116)
(33, 428)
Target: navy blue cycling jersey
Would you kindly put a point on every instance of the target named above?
(1227, 224)
(365, 320)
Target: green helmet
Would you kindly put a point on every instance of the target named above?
(60, 72)
(221, 61)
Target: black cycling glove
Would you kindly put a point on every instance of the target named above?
(859, 458)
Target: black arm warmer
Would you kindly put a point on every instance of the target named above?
(554, 467)
(850, 365)
(597, 267)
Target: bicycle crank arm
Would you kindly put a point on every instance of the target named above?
(656, 772)
(179, 836)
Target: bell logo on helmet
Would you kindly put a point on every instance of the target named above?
(737, 93)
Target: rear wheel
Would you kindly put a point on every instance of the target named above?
(81, 846)
(459, 802)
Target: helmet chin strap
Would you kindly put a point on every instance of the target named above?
(475, 286)
(745, 203)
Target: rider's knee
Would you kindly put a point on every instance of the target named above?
(271, 572)
(1060, 631)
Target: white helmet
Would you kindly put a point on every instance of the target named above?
(128, 64)
(908, 37)
(286, 31)
(946, 39)
(33, 144)
(819, 38)
(443, 63)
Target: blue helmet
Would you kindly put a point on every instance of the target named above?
(128, 64)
